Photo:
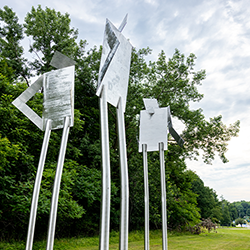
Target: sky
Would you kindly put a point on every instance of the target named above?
(216, 31)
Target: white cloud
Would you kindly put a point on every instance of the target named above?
(217, 31)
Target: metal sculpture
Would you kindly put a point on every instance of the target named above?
(154, 125)
(58, 112)
(112, 88)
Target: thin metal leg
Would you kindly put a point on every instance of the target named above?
(56, 188)
(39, 174)
(146, 197)
(163, 198)
(106, 187)
(124, 179)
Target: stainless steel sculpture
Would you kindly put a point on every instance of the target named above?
(154, 125)
(112, 88)
(58, 104)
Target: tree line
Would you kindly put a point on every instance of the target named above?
(171, 81)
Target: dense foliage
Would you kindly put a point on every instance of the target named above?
(172, 81)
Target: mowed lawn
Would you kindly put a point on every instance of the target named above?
(224, 239)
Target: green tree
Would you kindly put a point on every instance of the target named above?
(173, 82)
(226, 218)
(233, 211)
(11, 34)
(207, 200)
(240, 221)
(20, 144)
(50, 32)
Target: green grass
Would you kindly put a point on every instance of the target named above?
(224, 239)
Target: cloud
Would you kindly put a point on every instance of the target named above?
(216, 31)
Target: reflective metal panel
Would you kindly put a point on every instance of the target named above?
(150, 105)
(115, 65)
(59, 96)
(153, 129)
(124, 22)
(59, 61)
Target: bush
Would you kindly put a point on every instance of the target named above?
(205, 223)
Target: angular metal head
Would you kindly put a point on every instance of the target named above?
(154, 125)
(115, 64)
(60, 61)
(150, 105)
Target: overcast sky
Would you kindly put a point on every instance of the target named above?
(216, 31)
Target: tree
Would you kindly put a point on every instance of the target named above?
(20, 144)
(207, 200)
(233, 211)
(10, 36)
(240, 221)
(226, 219)
(50, 31)
(173, 82)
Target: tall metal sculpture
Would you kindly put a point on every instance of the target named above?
(154, 125)
(112, 88)
(58, 112)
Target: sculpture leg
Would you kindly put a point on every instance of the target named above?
(124, 179)
(163, 198)
(56, 188)
(146, 197)
(106, 187)
(39, 174)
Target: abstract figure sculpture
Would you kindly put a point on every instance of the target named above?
(112, 88)
(58, 105)
(154, 125)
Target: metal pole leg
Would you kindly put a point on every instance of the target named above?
(39, 174)
(146, 197)
(124, 179)
(163, 198)
(106, 187)
(56, 188)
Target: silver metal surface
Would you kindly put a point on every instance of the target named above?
(146, 197)
(58, 96)
(124, 179)
(115, 65)
(112, 88)
(34, 203)
(20, 102)
(175, 135)
(56, 188)
(153, 129)
(106, 186)
(150, 105)
(154, 122)
(58, 103)
(163, 198)
(59, 61)
(124, 22)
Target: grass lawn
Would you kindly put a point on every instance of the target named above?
(224, 239)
